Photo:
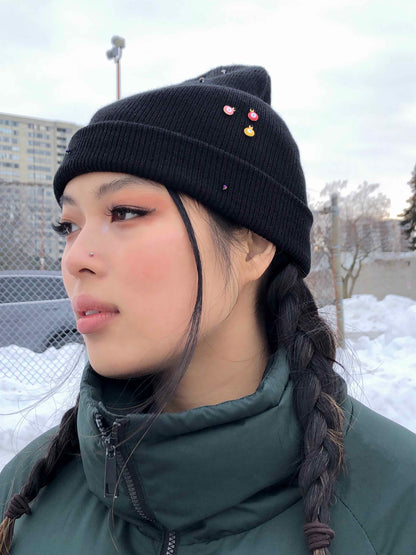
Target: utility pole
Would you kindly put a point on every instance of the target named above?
(336, 268)
(115, 53)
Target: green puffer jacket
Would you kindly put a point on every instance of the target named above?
(213, 480)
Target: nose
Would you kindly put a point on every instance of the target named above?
(77, 254)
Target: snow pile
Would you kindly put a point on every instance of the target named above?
(379, 358)
(380, 354)
(27, 410)
(392, 317)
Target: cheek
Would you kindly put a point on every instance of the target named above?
(162, 270)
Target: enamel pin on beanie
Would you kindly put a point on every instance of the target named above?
(214, 137)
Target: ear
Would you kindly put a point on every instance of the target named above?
(256, 257)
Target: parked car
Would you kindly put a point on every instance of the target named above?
(35, 311)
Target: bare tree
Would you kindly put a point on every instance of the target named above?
(360, 212)
(17, 227)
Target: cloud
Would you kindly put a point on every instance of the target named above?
(342, 73)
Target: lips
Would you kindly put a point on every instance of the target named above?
(84, 303)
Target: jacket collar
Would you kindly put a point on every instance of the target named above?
(210, 469)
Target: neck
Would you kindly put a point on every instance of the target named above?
(227, 364)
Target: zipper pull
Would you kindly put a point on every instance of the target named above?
(109, 438)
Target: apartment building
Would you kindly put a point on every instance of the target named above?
(31, 149)
(26, 238)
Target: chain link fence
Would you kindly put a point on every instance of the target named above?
(38, 334)
(35, 312)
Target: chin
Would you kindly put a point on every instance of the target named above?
(119, 369)
(108, 368)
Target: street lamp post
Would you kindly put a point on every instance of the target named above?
(115, 53)
(42, 231)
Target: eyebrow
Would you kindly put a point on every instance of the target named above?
(111, 187)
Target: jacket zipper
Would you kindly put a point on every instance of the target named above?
(109, 438)
(169, 544)
(112, 457)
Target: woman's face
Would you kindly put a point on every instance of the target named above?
(142, 264)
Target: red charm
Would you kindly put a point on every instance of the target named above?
(252, 115)
(229, 110)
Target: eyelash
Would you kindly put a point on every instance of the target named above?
(62, 228)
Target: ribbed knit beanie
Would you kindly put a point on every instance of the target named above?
(215, 138)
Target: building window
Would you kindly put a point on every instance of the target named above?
(38, 168)
(39, 143)
(38, 152)
(9, 172)
(8, 140)
(8, 122)
(38, 135)
(38, 126)
(8, 131)
(9, 156)
(7, 147)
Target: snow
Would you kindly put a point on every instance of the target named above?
(380, 354)
(31, 405)
(379, 358)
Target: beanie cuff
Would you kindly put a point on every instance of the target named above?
(197, 169)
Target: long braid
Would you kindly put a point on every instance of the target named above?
(62, 448)
(318, 392)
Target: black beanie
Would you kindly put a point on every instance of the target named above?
(215, 138)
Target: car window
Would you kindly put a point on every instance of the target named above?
(15, 289)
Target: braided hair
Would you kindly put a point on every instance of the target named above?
(291, 319)
(63, 446)
(290, 316)
(318, 393)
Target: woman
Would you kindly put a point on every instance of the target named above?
(210, 418)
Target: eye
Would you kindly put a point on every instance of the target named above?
(117, 212)
(62, 228)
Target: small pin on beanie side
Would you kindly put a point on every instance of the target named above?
(200, 137)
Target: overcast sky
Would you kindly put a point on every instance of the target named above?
(343, 71)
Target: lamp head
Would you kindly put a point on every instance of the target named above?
(118, 41)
